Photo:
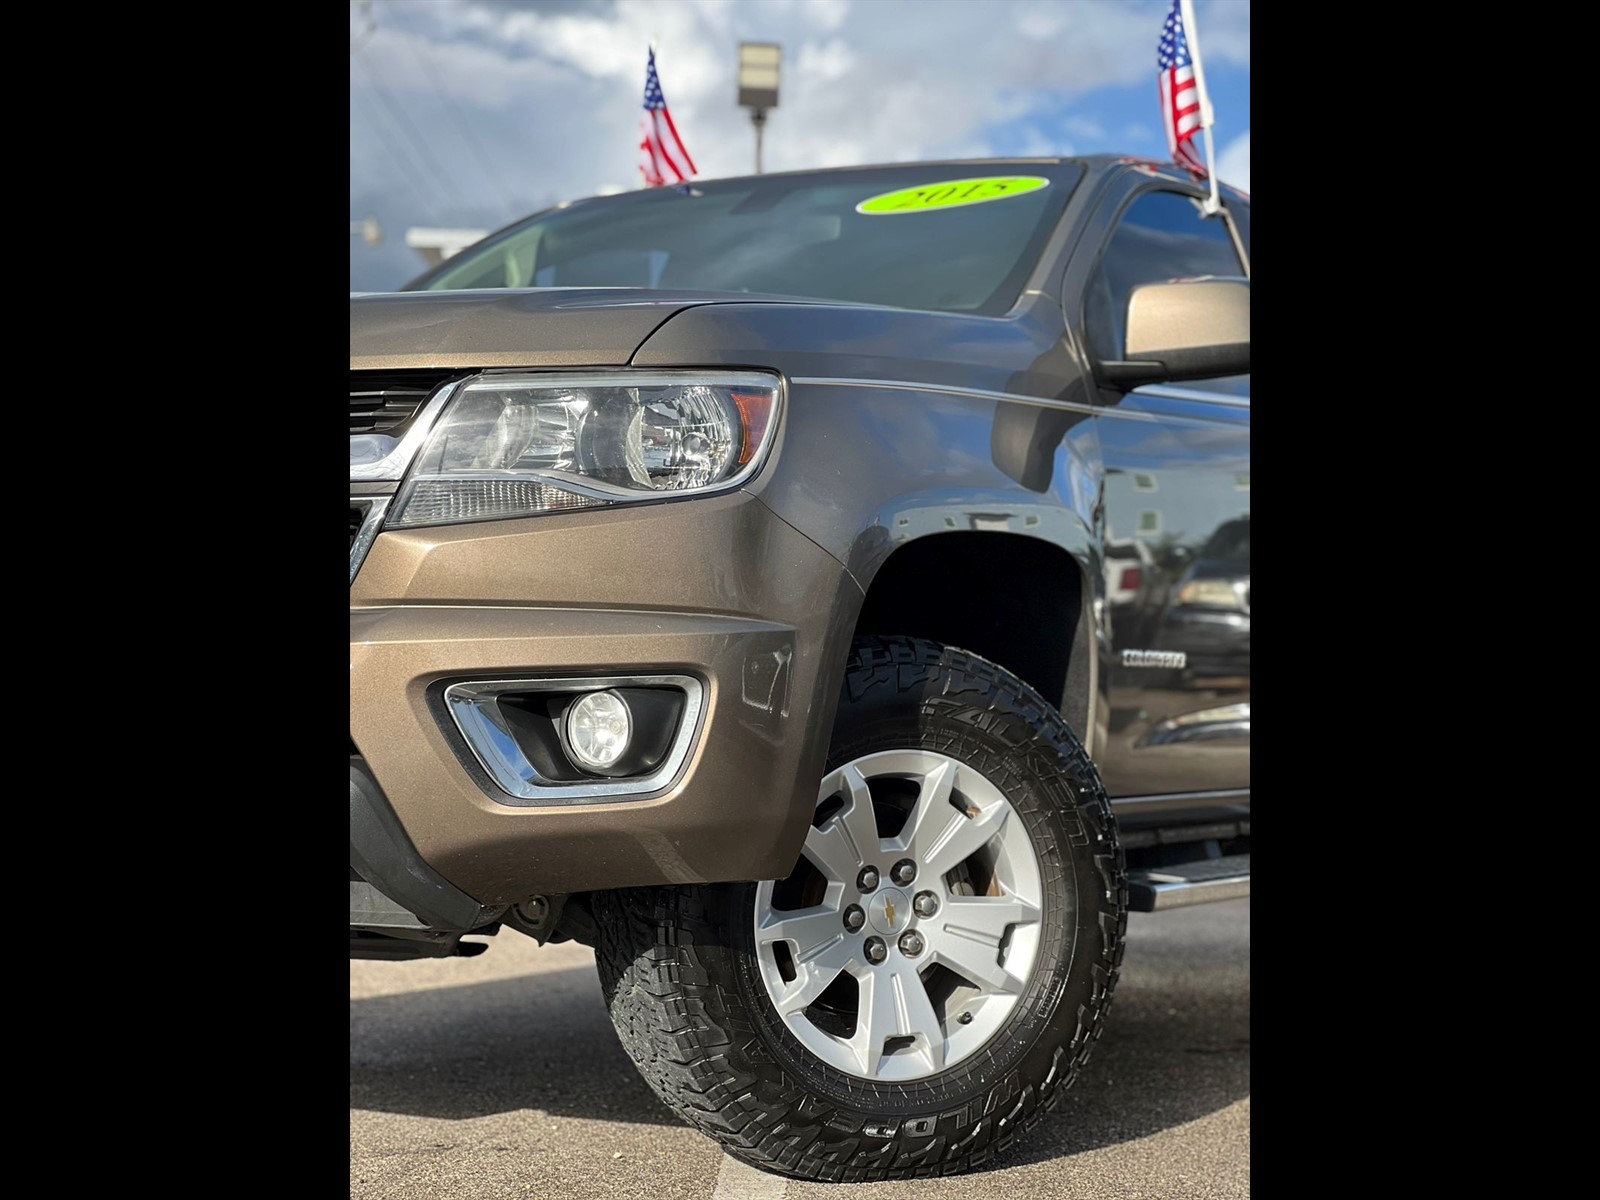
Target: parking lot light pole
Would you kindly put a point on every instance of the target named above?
(758, 84)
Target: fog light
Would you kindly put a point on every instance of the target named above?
(598, 729)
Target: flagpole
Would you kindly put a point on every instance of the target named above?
(1213, 204)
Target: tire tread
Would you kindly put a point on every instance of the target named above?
(679, 1026)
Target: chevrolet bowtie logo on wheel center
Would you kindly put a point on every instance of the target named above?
(889, 911)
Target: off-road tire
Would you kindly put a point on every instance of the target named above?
(677, 964)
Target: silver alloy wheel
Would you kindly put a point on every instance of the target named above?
(923, 1008)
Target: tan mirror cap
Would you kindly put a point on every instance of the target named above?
(1188, 314)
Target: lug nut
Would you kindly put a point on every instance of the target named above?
(904, 871)
(868, 879)
(926, 904)
(876, 950)
(911, 943)
(854, 918)
(965, 1018)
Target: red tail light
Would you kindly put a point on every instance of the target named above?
(1132, 577)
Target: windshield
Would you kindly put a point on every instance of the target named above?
(795, 235)
(1232, 540)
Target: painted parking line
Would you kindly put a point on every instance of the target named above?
(739, 1181)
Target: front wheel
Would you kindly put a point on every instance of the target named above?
(933, 972)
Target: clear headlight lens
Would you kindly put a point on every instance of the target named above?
(1213, 593)
(512, 445)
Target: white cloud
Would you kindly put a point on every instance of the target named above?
(823, 62)
(1233, 164)
(1224, 31)
(1037, 144)
(828, 14)
(1084, 127)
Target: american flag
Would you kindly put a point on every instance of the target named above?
(1180, 92)
(662, 157)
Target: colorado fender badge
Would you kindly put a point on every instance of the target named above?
(951, 193)
(1174, 660)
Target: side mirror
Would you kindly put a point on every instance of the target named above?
(1186, 329)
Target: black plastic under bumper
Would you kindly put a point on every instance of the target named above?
(390, 882)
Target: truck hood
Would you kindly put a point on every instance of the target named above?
(503, 327)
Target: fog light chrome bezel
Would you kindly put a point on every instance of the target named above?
(475, 711)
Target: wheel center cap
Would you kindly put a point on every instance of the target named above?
(889, 911)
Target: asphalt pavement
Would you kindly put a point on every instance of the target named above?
(500, 1076)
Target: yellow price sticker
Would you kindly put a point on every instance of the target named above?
(952, 193)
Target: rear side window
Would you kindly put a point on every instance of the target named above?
(1161, 236)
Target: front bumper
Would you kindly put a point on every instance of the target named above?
(391, 888)
(720, 589)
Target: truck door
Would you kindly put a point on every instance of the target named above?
(1176, 520)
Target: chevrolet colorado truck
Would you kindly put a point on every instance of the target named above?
(827, 595)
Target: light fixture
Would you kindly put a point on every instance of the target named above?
(758, 84)
(599, 728)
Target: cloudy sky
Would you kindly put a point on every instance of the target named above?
(472, 113)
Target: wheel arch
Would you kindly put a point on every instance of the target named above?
(1023, 602)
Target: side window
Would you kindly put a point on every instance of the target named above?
(1162, 235)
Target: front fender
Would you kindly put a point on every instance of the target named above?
(903, 425)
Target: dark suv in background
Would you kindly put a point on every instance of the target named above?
(740, 585)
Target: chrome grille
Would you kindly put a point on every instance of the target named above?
(381, 401)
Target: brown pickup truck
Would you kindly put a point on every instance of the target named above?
(827, 595)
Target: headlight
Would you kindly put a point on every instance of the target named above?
(513, 445)
(1213, 593)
